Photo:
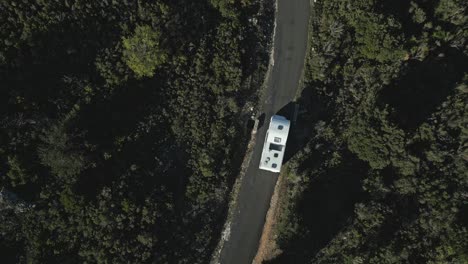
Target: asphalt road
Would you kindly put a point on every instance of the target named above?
(257, 187)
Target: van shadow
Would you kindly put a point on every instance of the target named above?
(295, 141)
(303, 113)
(423, 87)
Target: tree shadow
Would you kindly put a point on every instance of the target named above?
(327, 203)
(261, 120)
(123, 127)
(400, 10)
(10, 251)
(424, 86)
(324, 209)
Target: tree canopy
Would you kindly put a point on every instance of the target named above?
(122, 126)
(142, 51)
(381, 175)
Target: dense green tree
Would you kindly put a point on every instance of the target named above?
(143, 52)
(385, 94)
(104, 113)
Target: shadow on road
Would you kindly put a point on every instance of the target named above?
(297, 138)
(301, 130)
(261, 120)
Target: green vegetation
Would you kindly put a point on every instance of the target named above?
(382, 177)
(122, 125)
(142, 53)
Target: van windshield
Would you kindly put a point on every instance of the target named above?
(276, 147)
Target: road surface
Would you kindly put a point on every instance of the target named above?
(257, 187)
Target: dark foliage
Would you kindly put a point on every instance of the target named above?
(383, 176)
(119, 125)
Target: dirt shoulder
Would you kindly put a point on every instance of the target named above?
(268, 248)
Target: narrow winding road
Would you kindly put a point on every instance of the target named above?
(257, 187)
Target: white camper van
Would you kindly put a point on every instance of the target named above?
(275, 144)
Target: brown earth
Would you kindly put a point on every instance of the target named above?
(268, 248)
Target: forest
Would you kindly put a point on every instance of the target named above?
(121, 125)
(382, 176)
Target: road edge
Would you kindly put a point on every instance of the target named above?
(225, 233)
(268, 245)
(308, 49)
(269, 229)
